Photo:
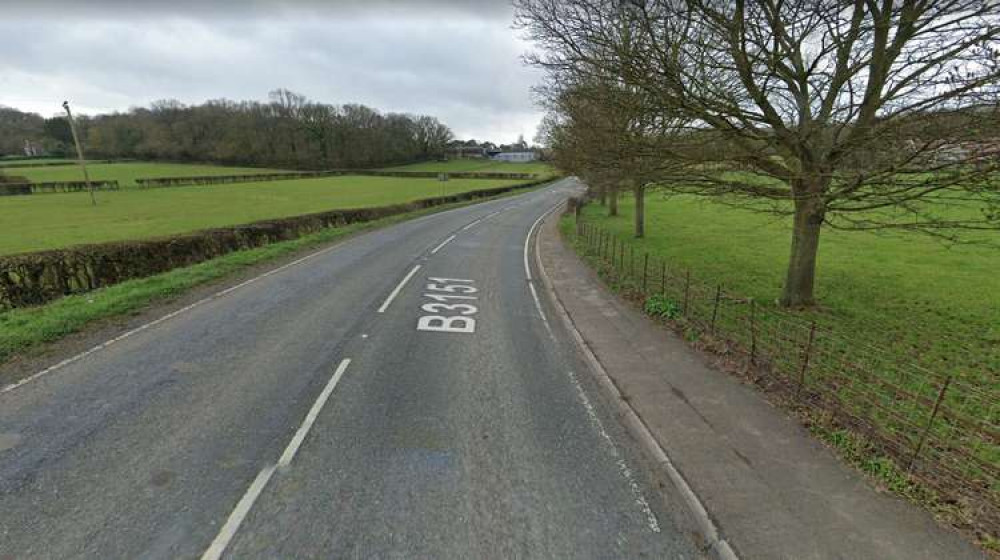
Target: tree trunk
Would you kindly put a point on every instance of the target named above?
(799, 282)
(639, 191)
(613, 202)
(603, 192)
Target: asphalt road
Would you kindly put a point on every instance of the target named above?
(396, 396)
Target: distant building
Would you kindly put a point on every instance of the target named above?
(516, 156)
(466, 152)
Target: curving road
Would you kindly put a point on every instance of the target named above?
(398, 395)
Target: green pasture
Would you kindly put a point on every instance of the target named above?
(936, 303)
(126, 173)
(52, 221)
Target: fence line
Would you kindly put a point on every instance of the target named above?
(17, 189)
(940, 429)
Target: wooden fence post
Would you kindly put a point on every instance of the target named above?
(687, 290)
(806, 356)
(715, 308)
(930, 424)
(621, 257)
(631, 261)
(663, 277)
(645, 271)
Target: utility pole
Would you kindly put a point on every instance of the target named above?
(79, 152)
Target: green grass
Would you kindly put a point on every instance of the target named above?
(933, 303)
(480, 166)
(22, 330)
(126, 173)
(51, 221)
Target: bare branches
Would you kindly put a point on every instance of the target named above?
(852, 107)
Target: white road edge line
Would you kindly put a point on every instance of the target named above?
(165, 318)
(243, 507)
(443, 243)
(527, 269)
(303, 431)
(709, 529)
(527, 240)
(399, 288)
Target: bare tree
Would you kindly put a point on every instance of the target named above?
(609, 136)
(860, 114)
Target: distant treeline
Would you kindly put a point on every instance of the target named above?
(288, 131)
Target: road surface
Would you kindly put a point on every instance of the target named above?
(398, 395)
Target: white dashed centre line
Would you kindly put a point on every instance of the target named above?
(399, 288)
(243, 507)
(443, 243)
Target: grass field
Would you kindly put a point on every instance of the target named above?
(913, 295)
(475, 165)
(126, 173)
(51, 221)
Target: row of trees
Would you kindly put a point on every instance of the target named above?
(859, 114)
(287, 131)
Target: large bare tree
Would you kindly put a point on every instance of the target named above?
(857, 114)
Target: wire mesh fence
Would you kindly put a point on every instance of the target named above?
(941, 429)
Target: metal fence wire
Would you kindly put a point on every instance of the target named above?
(942, 430)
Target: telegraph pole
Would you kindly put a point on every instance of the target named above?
(79, 152)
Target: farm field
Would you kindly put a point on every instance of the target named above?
(52, 221)
(474, 165)
(127, 173)
(913, 295)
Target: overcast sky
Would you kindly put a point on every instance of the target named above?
(453, 59)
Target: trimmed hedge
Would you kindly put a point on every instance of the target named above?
(229, 179)
(12, 189)
(450, 174)
(36, 278)
(226, 179)
(58, 163)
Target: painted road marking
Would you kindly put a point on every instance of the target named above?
(471, 224)
(443, 243)
(451, 323)
(239, 513)
(243, 507)
(399, 288)
(527, 269)
(303, 431)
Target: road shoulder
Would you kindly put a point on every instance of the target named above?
(768, 488)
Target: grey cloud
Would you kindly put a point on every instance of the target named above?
(240, 9)
(462, 67)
